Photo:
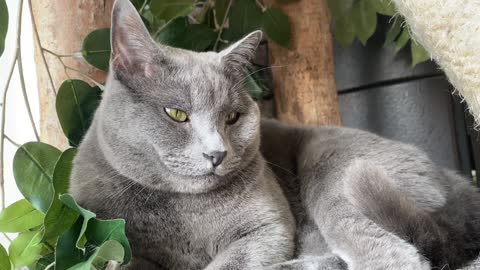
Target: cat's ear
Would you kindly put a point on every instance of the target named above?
(239, 55)
(132, 46)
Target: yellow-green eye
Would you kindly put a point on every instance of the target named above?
(232, 118)
(177, 115)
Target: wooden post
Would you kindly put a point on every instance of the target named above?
(305, 90)
(62, 26)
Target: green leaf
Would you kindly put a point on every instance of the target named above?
(19, 217)
(245, 17)
(66, 252)
(393, 32)
(4, 260)
(138, 3)
(277, 26)
(170, 9)
(221, 10)
(340, 9)
(364, 19)
(180, 34)
(68, 200)
(96, 48)
(384, 7)
(60, 217)
(402, 40)
(26, 248)
(109, 251)
(344, 32)
(33, 166)
(43, 262)
(76, 104)
(419, 54)
(3, 25)
(100, 231)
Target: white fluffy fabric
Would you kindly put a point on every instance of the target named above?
(450, 31)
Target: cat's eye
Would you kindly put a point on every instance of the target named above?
(232, 118)
(177, 114)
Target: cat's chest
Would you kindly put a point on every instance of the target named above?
(176, 238)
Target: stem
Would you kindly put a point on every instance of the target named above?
(50, 266)
(59, 55)
(39, 44)
(22, 82)
(83, 74)
(262, 6)
(224, 21)
(11, 141)
(143, 6)
(4, 104)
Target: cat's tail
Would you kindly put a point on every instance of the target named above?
(448, 237)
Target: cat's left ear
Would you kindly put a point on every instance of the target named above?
(239, 55)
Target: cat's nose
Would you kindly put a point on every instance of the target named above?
(215, 157)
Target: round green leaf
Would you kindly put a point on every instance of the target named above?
(109, 251)
(19, 217)
(60, 217)
(169, 9)
(4, 260)
(180, 34)
(3, 24)
(26, 248)
(245, 17)
(33, 166)
(277, 26)
(96, 48)
(76, 104)
(384, 7)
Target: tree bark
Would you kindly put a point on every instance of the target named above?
(62, 26)
(305, 90)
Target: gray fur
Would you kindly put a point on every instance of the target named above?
(138, 164)
(376, 203)
(355, 196)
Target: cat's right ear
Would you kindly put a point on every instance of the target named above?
(132, 46)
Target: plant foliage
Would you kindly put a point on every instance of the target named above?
(357, 19)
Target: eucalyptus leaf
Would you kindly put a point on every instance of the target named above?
(26, 249)
(76, 104)
(33, 166)
(180, 34)
(96, 48)
(60, 217)
(4, 260)
(20, 216)
(68, 200)
(419, 54)
(245, 17)
(3, 25)
(170, 9)
(364, 19)
(100, 231)
(402, 40)
(67, 254)
(277, 27)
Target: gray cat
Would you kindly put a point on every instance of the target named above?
(174, 148)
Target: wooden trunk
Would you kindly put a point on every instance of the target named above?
(304, 80)
(62, 26)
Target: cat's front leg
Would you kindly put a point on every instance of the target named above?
(268, 245)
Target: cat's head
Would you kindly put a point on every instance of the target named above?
(180, 114)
